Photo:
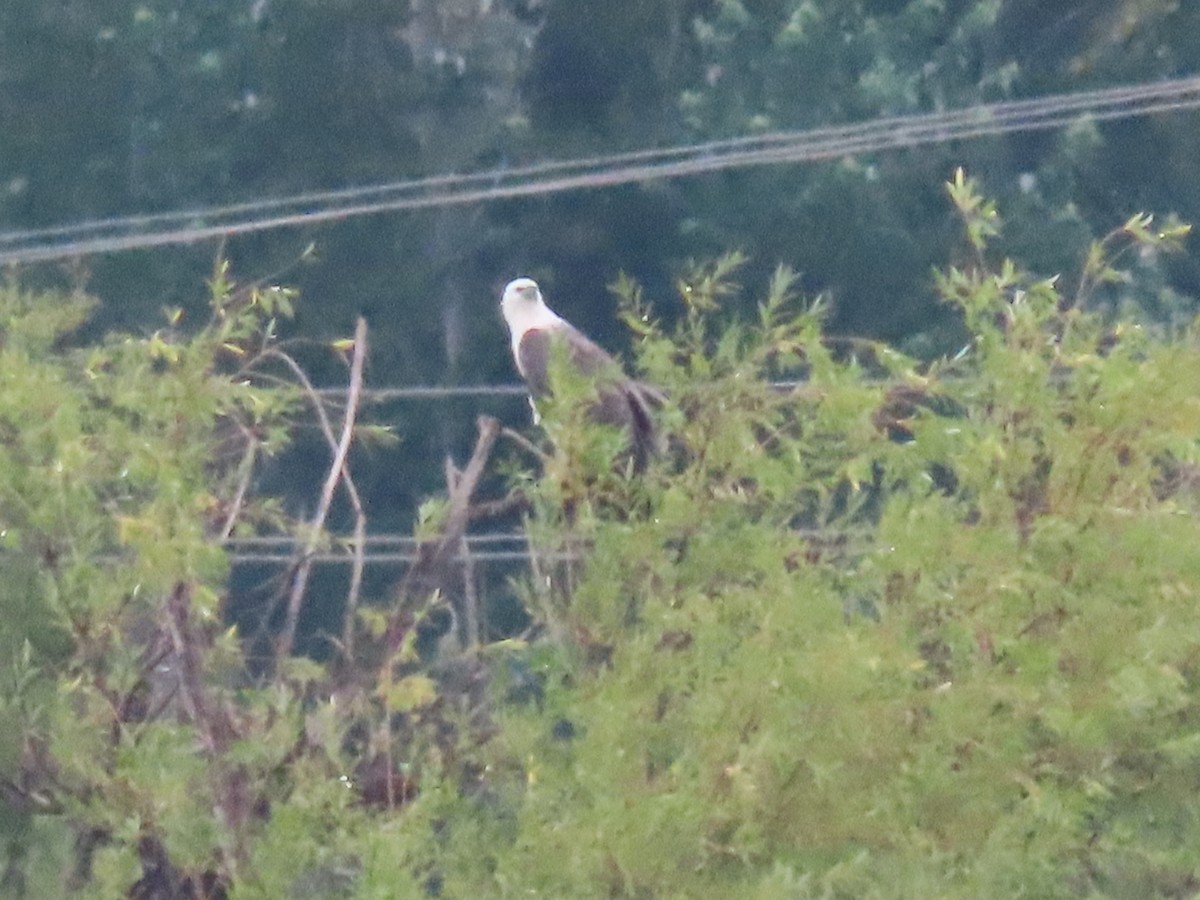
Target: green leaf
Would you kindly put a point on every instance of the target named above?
(409, 693)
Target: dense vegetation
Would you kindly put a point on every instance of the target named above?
(134, 106)
(907, 607)
(896, 630)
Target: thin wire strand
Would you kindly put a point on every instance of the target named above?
(431, 392)
(435, 392)
(371, 540)
(401, 549)
(1079, 101)
(603, 171)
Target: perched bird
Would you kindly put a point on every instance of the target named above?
(620, 401)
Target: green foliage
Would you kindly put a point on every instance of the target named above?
(124, 466)
(1015, 572)
(165, 105)
(889, 632)
(147, 749)
(865, 628)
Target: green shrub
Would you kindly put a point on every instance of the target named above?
(867, 627)
(895, 631)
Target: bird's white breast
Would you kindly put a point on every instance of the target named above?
(524, 313)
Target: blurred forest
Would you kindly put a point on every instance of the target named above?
(954, 561)
(114, 107)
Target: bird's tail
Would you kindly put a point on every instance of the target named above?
(647, 437)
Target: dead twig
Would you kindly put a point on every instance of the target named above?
(430, 570)
(337, 474)
(525, 444)
(245, 475)
(516, 502)
(469, 614)
(215, 730)
(214, 724)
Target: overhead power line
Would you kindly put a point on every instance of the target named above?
(436, 392)
(386, 549)
(403, 549)
(430, 392)
(188, 226)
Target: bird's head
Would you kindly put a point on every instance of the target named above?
(523, 306)
(520, 293)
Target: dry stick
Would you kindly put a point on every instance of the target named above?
(359, 545)
(470, 596)
(516, 501)
(287, 637)
(360, 521)
(211, 719)
(246, 467)
(428, 570)
(469, 632)
(314, 396)
(215, 732)
(525, 444)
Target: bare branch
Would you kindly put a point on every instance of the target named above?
(516, 502)
(359, 547)
(525, 444)
(358, 541)
(471, 630)
(214, 728)
(337, 471)
(430, 569)
(246, 470)
(469, 614)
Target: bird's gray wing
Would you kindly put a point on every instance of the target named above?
(533, 360)
(536, 347)
(589, 357)
(620, 401)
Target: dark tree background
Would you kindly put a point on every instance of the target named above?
(111, 107)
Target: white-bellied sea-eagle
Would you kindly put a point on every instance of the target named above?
(535, 329)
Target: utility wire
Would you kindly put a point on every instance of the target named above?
(429, 392)
(283, 549)
(1079, 102)
(401, 549)
(450, 392)
(181, 227)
